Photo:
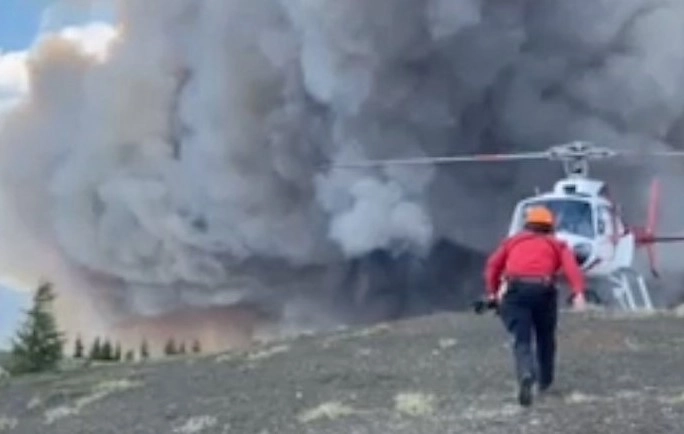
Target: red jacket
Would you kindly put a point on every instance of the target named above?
(532, 255)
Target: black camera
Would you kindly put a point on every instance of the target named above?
(481, 306)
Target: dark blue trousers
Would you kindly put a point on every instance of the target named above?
(529, 312)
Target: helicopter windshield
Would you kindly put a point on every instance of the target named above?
(572, 216)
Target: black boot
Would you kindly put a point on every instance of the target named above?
(525, 391)
(544, 387)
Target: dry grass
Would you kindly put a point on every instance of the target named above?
(415, 404)
(267, 353)
(196, 424)
(446, 343)
(328, 410)
(100, 391)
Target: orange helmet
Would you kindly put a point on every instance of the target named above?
(539, 215)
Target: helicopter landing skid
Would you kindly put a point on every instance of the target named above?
(627, 291)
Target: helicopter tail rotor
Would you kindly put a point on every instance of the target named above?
(646, 236)
(651, 223)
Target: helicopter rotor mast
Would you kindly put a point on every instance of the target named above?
(575, 157)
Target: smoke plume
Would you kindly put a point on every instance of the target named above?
(189, 165)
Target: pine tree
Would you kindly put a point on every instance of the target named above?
(39, 345)
(129, 356)
(181, 348)
(196, 348)
(96, 350)
(144, 350)
(170, 347)
(107, 351)
(78, 348)
(117, 352)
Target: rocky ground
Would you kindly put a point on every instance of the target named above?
(443, 374)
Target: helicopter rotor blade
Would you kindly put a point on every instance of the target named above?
(573, 151)
(448, 160)
(666, 154)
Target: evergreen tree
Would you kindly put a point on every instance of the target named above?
(129, 356)
(144, 350)
(96, 350)
(181, 348)
(170, 347)
(39, 345)
(196, 348)
(78, 348)
(107, 351)
(117, 352)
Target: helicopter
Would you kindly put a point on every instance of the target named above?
(587, 218)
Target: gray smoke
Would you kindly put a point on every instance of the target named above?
(191, 166)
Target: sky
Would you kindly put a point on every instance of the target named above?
(12, 306)
(21, 21)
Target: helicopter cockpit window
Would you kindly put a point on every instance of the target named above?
(572, 216)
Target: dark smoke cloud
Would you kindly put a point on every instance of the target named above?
(189, 167)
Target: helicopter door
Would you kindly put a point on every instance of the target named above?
(605, 232)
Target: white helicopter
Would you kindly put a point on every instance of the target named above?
(587, 219)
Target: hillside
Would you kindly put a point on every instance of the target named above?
(442, 374)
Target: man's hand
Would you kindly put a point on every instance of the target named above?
(503, 289)
(482, 305)
(579, 302)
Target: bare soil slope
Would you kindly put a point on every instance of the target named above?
(442, 374)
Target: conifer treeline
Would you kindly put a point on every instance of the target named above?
(38, 344)
(106, 351)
